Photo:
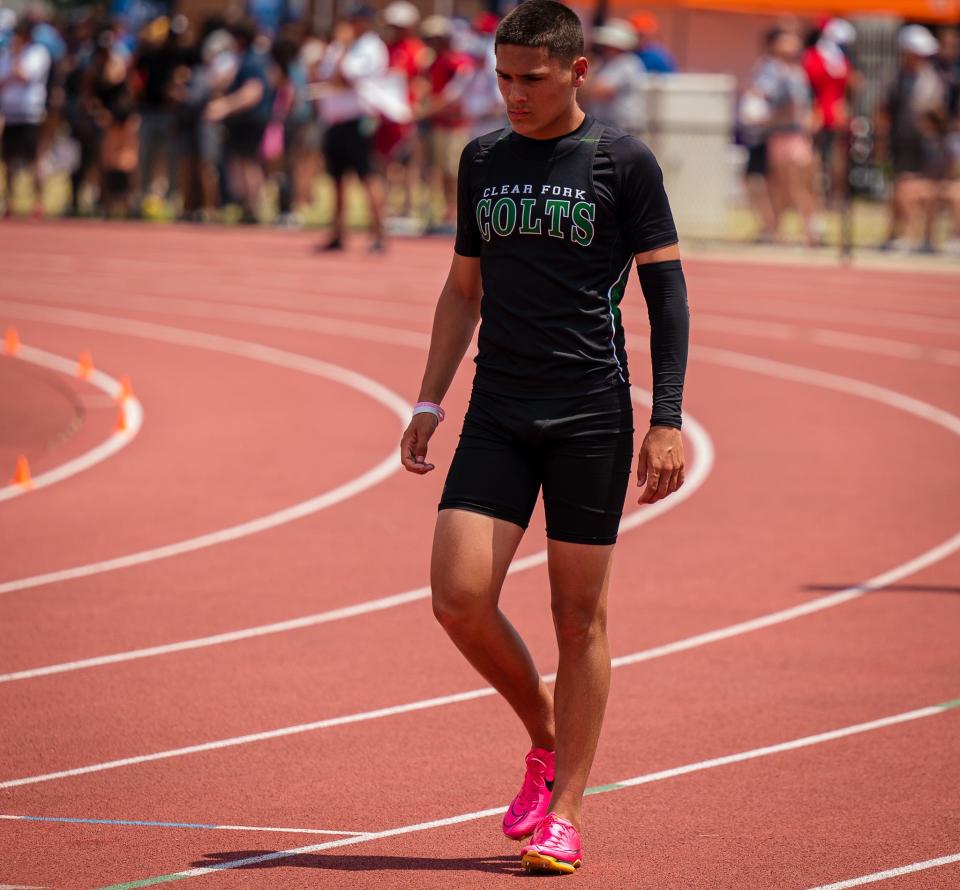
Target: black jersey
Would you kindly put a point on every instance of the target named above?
(556, 224)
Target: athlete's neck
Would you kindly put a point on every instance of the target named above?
(565, 123)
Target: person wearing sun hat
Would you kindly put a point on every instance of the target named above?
(396, 143)
(912, 119)
(614, 94)
(830, 73)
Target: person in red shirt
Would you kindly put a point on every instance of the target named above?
(396, 144)
(449, 129)
(830, 74)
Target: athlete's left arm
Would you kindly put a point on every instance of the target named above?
(660, 469)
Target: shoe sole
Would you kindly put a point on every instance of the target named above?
(540, 862)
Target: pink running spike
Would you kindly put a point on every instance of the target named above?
(533, 801)
(555, 846)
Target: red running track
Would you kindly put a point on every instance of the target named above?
(823, 478)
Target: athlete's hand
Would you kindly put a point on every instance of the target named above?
(413, 445)
(660, 468)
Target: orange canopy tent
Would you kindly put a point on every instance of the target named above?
(944, 11)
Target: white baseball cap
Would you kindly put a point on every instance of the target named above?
(840, 31)
(401, 14)
(436, 26)
(917, 40)
(616, 33)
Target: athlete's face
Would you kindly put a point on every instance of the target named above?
(540, 90)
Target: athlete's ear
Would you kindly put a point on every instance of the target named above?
(579, 71)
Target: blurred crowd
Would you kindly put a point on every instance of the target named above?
(197, 119)
(797, 119)
(200, 116)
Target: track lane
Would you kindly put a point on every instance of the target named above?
(582, 876)
(827, 532)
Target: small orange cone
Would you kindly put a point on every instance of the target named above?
(11, 341)
(122, 425)
(85, 366)
(125, 391)
(22, 474)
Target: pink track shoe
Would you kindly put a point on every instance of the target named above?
(554, 847)
(533, 801)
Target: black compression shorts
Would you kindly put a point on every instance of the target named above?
(579, 449)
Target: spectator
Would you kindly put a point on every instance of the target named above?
(286, 116)
(829, 71)
(356, 57)
(948, 63)
(482, 103)
(786, 89)
(8, 21)
(191, 90)
(913, 119)
(118, 156)
(449, 130)
(24, 68)
(245, 111)
(398, 150)
(613, 94)
(82, 126)
(309, 144)
(48, 36)
(753, 121)
(153, 67)
(655, 56)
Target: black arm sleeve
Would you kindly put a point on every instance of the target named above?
(665, 291)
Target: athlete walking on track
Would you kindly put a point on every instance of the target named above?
(552, 213)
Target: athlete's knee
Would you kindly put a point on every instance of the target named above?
(459, 610)
(578, 624)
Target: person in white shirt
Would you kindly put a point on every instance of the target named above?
(355, 59)
(615, 94)
(24, 66)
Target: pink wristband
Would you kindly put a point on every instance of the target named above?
(430, 408)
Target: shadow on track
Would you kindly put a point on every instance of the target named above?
(890, 588)
(501, 865)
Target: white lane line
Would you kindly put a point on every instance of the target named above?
(733, 359)
(699, 470)
(280, 312)
(772, 330)
(874, 318)
(133, 413)
(141, 823)
(713, 763)
(258, 352)
(702, 446)
(891, 873)
(683, 645)
(297, 320)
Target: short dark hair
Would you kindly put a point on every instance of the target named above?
(544, 23)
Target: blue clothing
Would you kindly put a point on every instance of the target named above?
(49, 38)
(253, 66)
(657, 60)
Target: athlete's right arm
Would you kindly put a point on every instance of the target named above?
(454, 321)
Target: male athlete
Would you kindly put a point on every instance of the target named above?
(552, 213)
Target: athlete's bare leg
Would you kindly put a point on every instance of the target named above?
(579, 578)
(471, 554)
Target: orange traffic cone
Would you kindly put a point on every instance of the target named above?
(22, 474)
(85, 366)
(122, 425)
(125, 390)
(11, 341)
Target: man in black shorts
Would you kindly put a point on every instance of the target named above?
(552, 213)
